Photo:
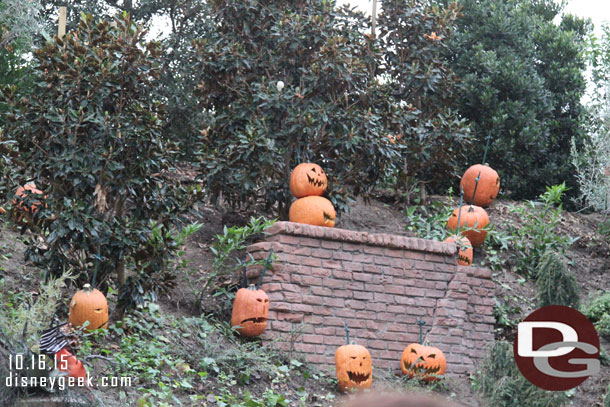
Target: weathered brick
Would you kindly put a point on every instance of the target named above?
(328, 244)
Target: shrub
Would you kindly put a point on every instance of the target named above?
(413, 35)
(90, 137)
(537, 230)
(554, 285)
(598, 311)
(502, 384)
(522, 79)
(288, 83)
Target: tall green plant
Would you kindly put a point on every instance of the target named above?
(522, 79)
(90, 136)
(499, 380)
(413, 35)
(554, 284)
(536, 232)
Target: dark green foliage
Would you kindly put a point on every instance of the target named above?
(537, 232)
(598, 311)
(330, 110)
(90, 136)
(522, 81)
(502, 384)
(554, 284)
(413, 36)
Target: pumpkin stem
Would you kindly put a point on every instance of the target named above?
(476, 185)
(421, 324)
(265, 266)
(252, 287)
(346, 332)
(486, 148)
(87, 288)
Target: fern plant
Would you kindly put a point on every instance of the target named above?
(502, 384)
(554, 284)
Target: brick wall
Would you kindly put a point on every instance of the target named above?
(380, 285)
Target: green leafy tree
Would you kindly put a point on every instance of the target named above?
(90, 135)
(522, 81)
(413, 35)
(290, 82)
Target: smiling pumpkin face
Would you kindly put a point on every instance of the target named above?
(308, 179)
(354, 367)
(424, 362)
(313, 210)
(89, 305)
(250, 311)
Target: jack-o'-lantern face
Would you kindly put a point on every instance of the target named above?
(313, 210)
(250, 311)
(465, 252)
(424, 362)
(89, 305)
(308, 179)
(354, 367)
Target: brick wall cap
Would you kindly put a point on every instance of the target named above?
(371, 239)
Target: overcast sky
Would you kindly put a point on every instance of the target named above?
(597, 10)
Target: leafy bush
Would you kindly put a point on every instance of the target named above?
(537, 230)
(522, 79)
(227, 249)
(288, 83)
(413, 35)
(502, 384)
(90, 137)
(429, 222)
(554, 285)
(598, 311)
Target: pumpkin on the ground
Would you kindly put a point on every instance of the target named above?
(250, 311)
(423, 362)
(89, 305)
(307, 179)
(488, 188)
(465, 252)
(471, 217)
(354, 367)
(313, 210)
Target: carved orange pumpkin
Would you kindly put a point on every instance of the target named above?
(89, 305)
(354, 367)
(424, 362)
(250, 311)
(307, 179)
(28, 198)
(471, 217)
(313, 210)
(465, 251)
(488, 188)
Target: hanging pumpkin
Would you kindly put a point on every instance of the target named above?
(424, 362)
(313, 210)
(28, 198)
(250, 311)
(471, 217)
(354, 367)
(89, 305)
(488, 188)
(465, 252)
(307, 179)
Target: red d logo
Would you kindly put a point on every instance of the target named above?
(556, 348)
